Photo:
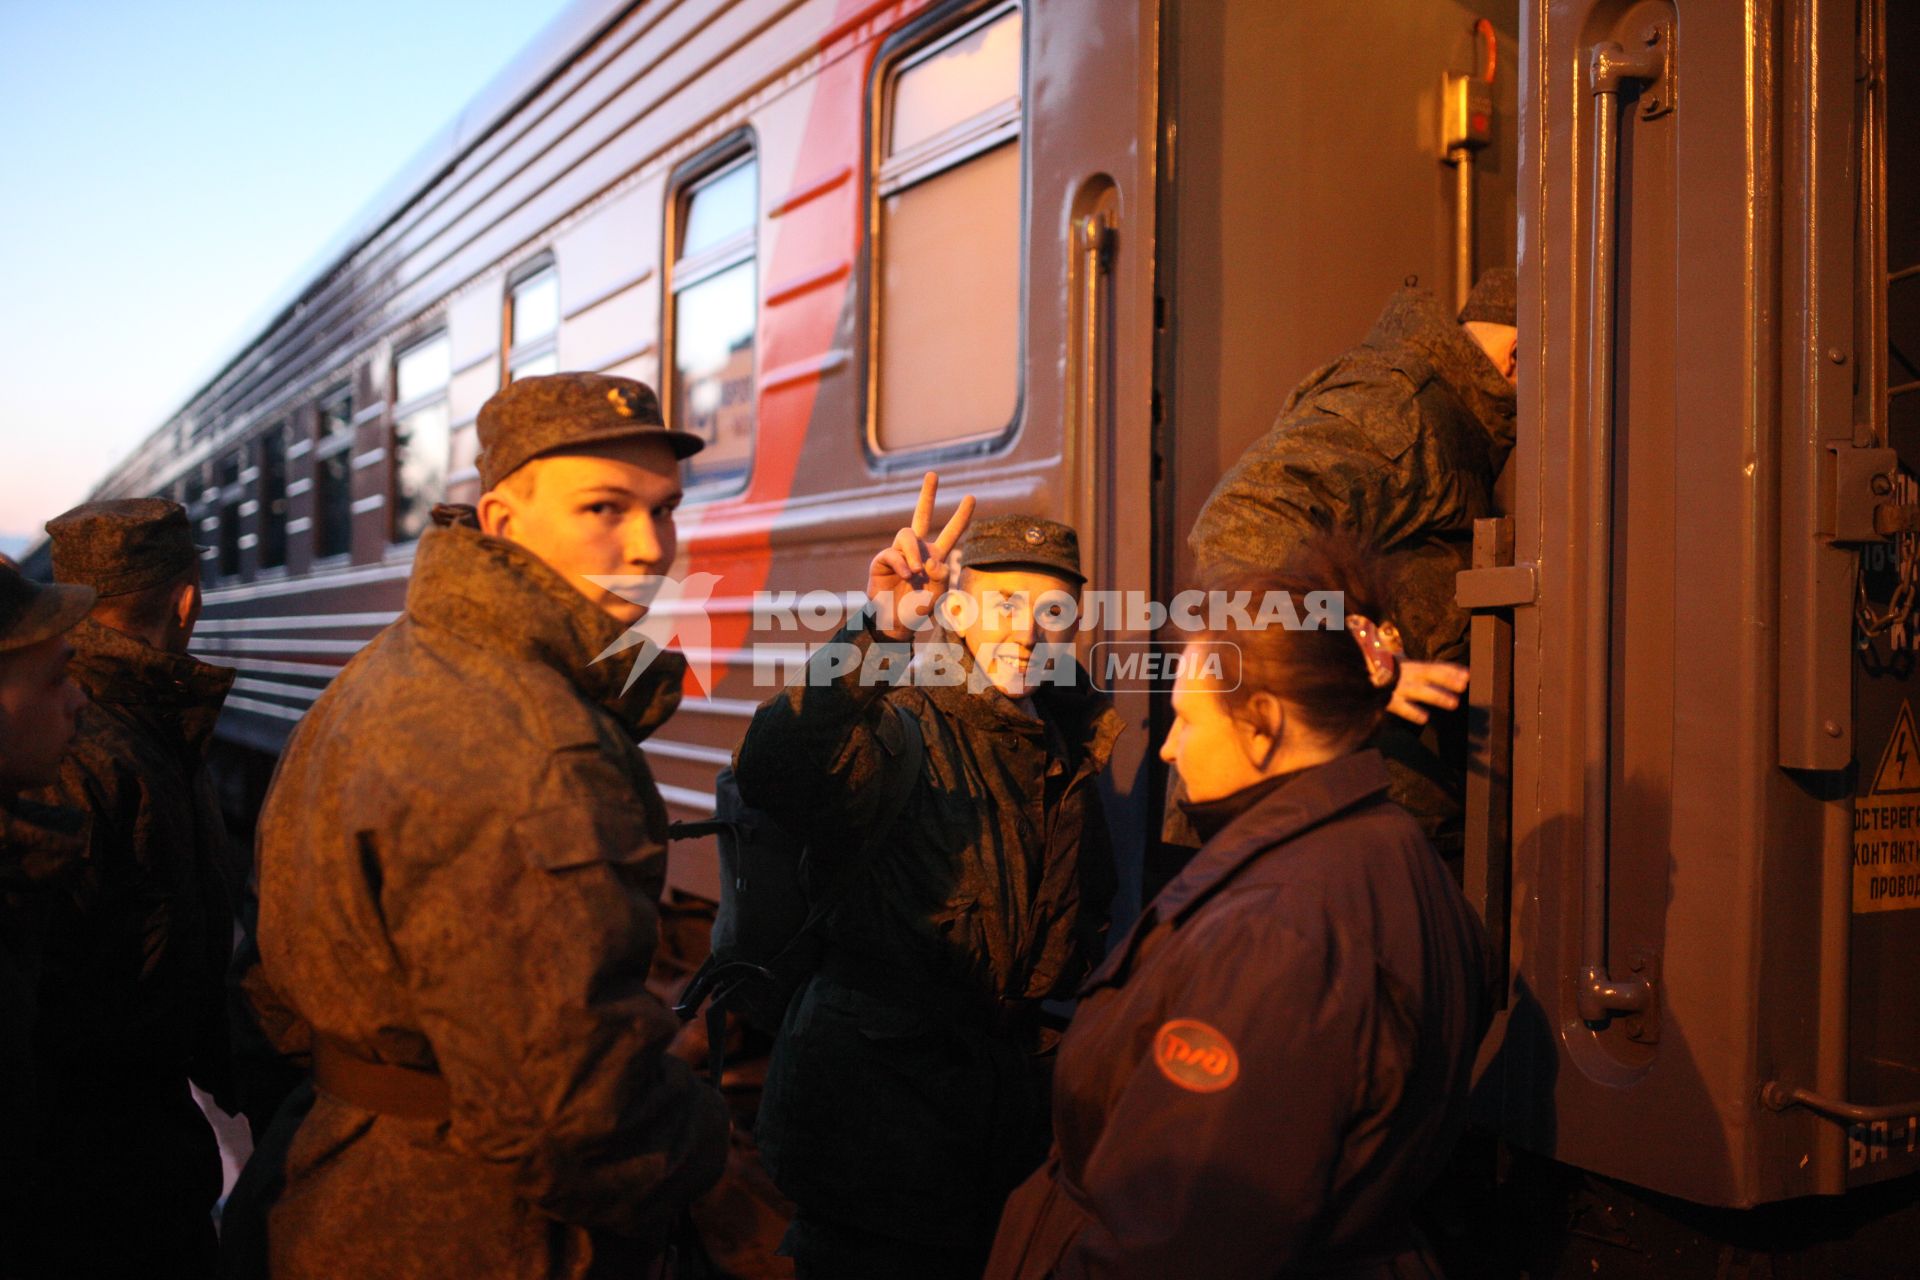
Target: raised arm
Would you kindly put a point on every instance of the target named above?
(813, 753)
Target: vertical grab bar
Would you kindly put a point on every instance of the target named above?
(1095, 235)
(1466, 119)
(1462, 226)
(1600, 994)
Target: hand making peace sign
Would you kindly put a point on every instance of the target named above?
(907, 578)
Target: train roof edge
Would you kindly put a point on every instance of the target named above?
(531, 70)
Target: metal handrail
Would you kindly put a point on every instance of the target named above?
(1600, 995)
(1777, 1096)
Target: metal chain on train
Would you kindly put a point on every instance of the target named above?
(1896, 620)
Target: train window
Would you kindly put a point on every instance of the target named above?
(972, 75)
(719, 208)
(273, 497)
(228, 475)
(420, 437)
(533, 325)
(945, 335)
(333, 478)
(715, 295)
(336, 416)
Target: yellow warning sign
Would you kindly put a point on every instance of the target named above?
(1886, 826)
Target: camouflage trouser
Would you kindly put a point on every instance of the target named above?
(825, 1250)
(899, 1128)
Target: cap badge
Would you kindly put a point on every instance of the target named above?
(622, 398)
(1034, 536)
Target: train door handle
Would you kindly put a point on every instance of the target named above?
(1094, 241)
(1614, 67)
(1776, 1095)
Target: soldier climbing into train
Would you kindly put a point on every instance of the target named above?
(1398, 442)
(460, 861)
(41, 849)
(133, 1000)
(907, 1094)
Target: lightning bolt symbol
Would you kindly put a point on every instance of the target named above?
(1900, 758)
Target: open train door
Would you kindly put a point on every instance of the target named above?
(1316, 156)
(1713, 920)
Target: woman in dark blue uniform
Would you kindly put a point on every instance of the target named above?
(1269, 1070)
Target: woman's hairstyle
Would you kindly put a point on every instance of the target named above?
(1321, 670)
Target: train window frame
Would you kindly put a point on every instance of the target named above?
(516, 356)
(706, 167)
(229, 510)
(402, 410)
(914, 44)
(328, 445)
(273, 509)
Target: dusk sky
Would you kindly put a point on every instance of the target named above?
(170, 170)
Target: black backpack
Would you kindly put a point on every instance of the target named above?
(774, 902)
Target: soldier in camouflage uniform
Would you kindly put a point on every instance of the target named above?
(132, 1005)
(908, 1089)
(1399, 442)
(40, 852)
(459, 865)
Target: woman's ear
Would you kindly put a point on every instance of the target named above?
(1262, 727)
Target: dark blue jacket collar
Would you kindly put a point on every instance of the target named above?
(1305, 802)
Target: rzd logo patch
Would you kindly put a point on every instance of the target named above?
(1195, 1056)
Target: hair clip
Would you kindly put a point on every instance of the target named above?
(1380, 646)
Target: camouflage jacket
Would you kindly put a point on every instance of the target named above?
(133, 1000)
(40, 849)
(906, 1096)
(997, 876)
(1399, 441)
(460, 861)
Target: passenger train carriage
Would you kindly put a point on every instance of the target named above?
(1072, 254)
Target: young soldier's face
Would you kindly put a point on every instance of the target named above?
(1009, 620)
(1501, 342)
(607, 512)
(38, 703)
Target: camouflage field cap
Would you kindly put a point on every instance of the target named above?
(533, 416)
(125, 545)
(31, 611)
(1022, 542)
(1492, 299)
